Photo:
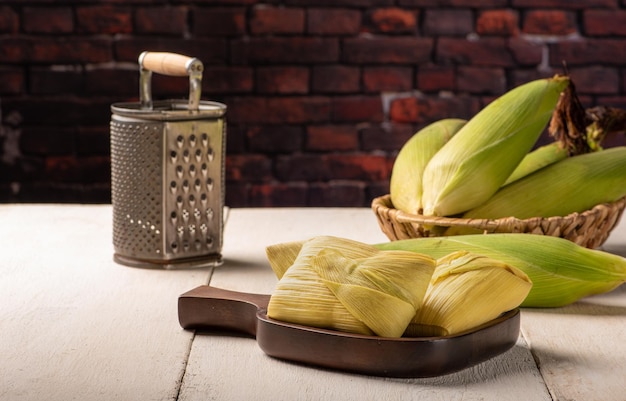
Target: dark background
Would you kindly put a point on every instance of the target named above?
(321, 94)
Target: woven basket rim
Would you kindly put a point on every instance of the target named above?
(383, 203)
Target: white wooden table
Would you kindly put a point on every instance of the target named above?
(74, 325)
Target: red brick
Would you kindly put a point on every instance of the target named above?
(435, 78)
(519, 77)
(9, 20)
(604, 22)
(333, 21)
(303, 167)
(54, 110)
(357, 109)
(163, 19)
(60, 81)
(448, 22)
(237, 194)
(337, 194)
(12, 80)
(564, 4)
(375, 190)
(49, 140)
(596, 80)
(503, 22)
(393, 20)
(588, 51)
(378, 79)
(335, 79)
(276, 20)
(17, 49)
(164, 86)
(278, 195)
(386, 137)
(72, 169)
(93, 141)
(48, 20)
(249, 168)
(217, 21)
(111, 81)
(225, 79)
(358, 166)
(525, 52)
(453, 3)
(549, 22)
(281, 79)
(275, 138)
(104, 19)
(481, 80)
(387, 50)
(279, 50)
(283, 110)
(343, 3)
(332, 137)
(422, 110)
(489, 51)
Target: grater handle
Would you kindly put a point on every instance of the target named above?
(172, 64)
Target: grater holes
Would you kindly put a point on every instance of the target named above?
(189, 145)
(136, 187)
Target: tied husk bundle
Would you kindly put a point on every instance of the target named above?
(348, 286)
(345, 285)
(468, 290)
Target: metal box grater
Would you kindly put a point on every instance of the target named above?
(167, 172)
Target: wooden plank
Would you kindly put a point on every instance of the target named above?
(74, 325)
(581, 348)
(226, 367)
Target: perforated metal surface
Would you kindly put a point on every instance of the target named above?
(193, 177)
(167, 189)
(136, 183)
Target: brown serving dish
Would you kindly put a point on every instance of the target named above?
(211, 308)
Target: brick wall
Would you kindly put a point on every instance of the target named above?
(321, 93)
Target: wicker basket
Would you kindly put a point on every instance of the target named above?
(589, 228)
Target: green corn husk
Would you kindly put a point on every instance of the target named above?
(574, 184)
(349, 286)
(467, 290)
(561, 271)
(537, 159)
(471, 167)
(405, 184)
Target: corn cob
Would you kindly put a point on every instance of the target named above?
(561, 271)
(536, 160)
(349, 286)
(406, 176)
(482, 155)
(467, 290)
(574, 184)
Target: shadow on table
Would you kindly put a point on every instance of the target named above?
(516, 362)
(617, 249)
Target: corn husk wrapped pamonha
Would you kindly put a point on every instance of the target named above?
(468, 290)
(349, 286)
(340, 284)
